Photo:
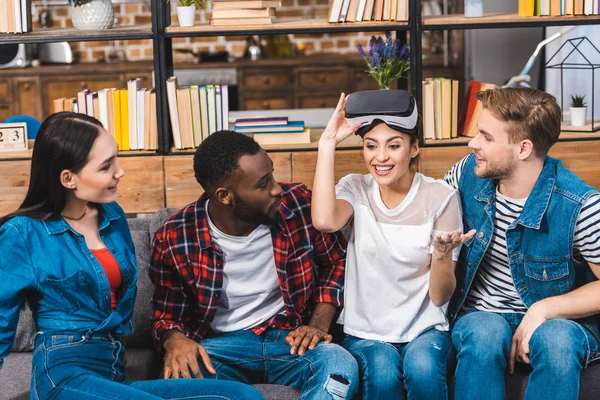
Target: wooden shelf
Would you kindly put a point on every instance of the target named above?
(565, 136)
(318, 25)
(502, 20)
(78, 35)
(26, 154)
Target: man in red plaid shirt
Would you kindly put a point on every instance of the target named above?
(244, 282)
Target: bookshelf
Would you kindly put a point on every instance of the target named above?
(77, 35)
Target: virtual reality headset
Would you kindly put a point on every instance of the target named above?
(396, 108)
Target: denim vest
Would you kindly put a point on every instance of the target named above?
(66, 287)
(539, 242)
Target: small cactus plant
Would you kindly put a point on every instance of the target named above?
(578, 101)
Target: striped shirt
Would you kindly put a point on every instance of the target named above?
(493, 287)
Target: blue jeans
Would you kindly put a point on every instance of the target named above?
(326, 372)
(558, 350)
(80, 367)
(393, 370)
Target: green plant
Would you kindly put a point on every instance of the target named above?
(387, 60)
(201, 4)
(578, 101)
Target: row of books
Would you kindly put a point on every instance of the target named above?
(196, 111)
(367, 10)
(15, 16)
(531, 8)
(128, 114)
(248, 12)
(274, 130)
(447, 111)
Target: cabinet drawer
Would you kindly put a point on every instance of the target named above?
(69, 86)
(271, 103)
(5, 111)
(318, 101)
(336, 77)
(4, 90)
(265, 79)
(361, 80)
(29, 98)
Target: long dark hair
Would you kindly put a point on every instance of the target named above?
(63, 142)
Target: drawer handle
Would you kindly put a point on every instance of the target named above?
(323, 103)
(83, 83)
(267, 105)
(27, 86)
(322, 78)
(267, 81)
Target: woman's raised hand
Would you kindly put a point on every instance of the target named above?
(338, 127)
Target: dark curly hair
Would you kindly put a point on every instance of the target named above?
(217, 157)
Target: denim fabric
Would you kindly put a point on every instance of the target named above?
(91, 367)
(559, 350)
(394, 370)
(66, 286)
(539, 242)
(326, 372)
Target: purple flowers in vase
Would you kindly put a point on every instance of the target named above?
(387, 60)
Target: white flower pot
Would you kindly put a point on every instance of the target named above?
(578, 115)
(93, 15)
(186, 15)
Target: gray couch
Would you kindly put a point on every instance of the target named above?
(144, 363)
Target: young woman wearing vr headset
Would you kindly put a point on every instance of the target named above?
(402, 252)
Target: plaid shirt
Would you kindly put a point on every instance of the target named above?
(187, 268)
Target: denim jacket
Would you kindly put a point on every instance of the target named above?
(65, 285)
(539, 242)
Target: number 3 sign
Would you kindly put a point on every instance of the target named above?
(13, 136)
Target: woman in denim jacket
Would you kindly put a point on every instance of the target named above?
(68, 250)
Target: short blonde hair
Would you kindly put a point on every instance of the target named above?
(530, 114)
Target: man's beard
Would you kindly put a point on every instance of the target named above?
(499, 171)
(253, 216)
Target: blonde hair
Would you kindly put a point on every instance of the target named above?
(530, 113)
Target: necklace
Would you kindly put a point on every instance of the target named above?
(77, 219)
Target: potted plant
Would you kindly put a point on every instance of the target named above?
(92, 14)
(578, 110)
(186, 11)
(387, 60)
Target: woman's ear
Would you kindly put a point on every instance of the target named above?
(67, 179)
(414, 149)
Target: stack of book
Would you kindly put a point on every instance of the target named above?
(531, 8)
(274, 130)
(128, 114)
(243, 12)
(196, 111)
(367, 10)
(15, 16)
(447, 112)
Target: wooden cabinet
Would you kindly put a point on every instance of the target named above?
(266, 102)
(28, 97)
(14, 181)
(6, 100)
(346, 162)
(436, 161)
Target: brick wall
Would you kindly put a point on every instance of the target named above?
(134, 50)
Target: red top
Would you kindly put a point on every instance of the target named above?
(113, 273)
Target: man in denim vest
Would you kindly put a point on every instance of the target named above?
(527, 288)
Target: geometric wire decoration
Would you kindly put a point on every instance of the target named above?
(592, 63)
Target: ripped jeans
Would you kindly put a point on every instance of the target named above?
(328, 372)
(418, 369)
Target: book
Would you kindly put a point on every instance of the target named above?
(153, 122)
(241, 21)
(225, 106)
(244, 4)
(261, 121)
(218, 107)
(255, 13)
(133, 85)
(291, 126)
(301, 137)
(212, 109)
(26, 23)
(184, 109)
(334, 10)
(141, 119)
(196, 114)
(204, 112)
(173, 114)
(125, 117)
(103, 107)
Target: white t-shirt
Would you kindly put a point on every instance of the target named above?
(386, 290)
(251, 293)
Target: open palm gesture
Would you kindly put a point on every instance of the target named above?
(338, 127)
